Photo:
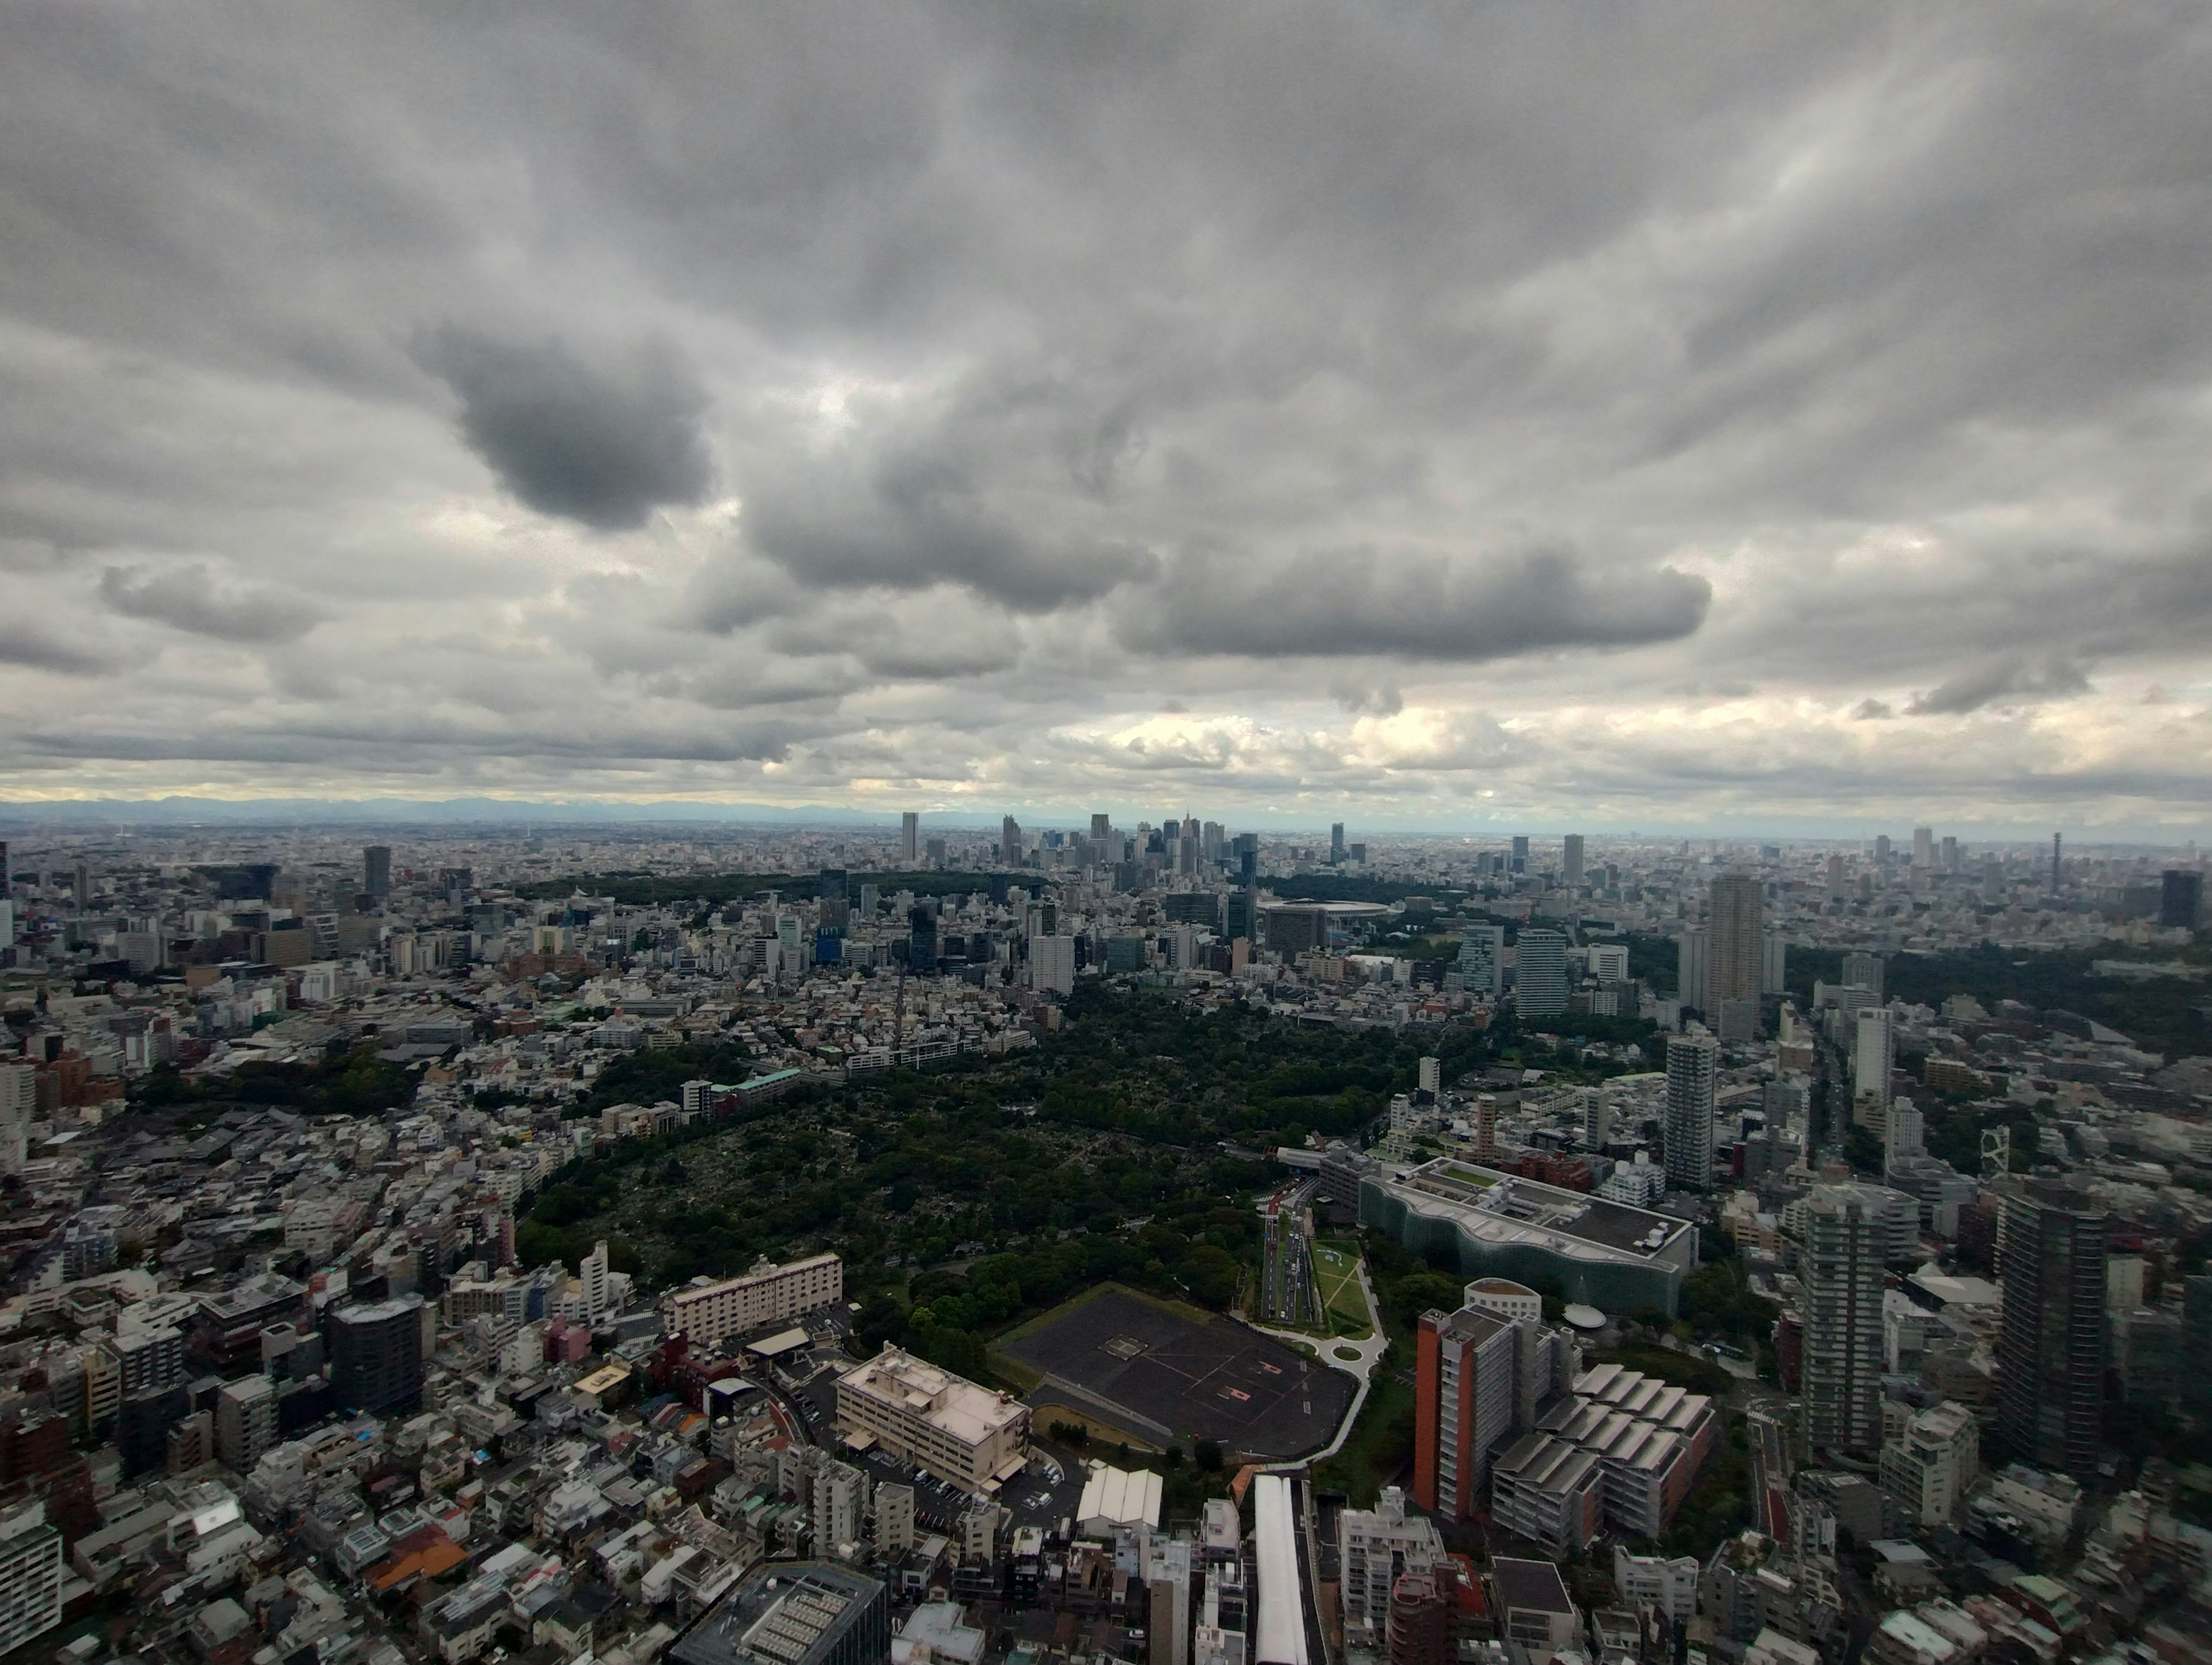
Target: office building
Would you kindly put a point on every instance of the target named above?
(1736, 941)
(1376, 1547)
(1540, 973)
(1570, 861)
(910, 839)
(1052, 965)
(149, 1359)
(918, 1413)
(377, 1355)
(1928, 1462)
(1010, 841)
(1923, 848)
(706, 1314)
(794, 1613)
(1693, 1063)
(2051, 1338)
(245, 1422)
(30, 1574)
(376, 870)
(834, 892)
(2180, 899)
(1101, 832)
(922, 939)
(1836, 877)
(1336, 844)
(1864, 972)
(1693, 965)
(1846, 1238)
(1482, 960)
(1520, 862)
(1873, 1056)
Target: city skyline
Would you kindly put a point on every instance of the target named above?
(1637, 427)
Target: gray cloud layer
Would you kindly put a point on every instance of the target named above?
(603, 445)
(1437, 411)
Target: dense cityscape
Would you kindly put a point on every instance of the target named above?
(1142, 1241)
(1105, 832)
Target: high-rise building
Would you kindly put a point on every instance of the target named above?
(909, 838)
(1846, 1236)
(1571, 862)
(1481, 1376)
(834, 892)
(1864, 972)
(1737, 945)
(1101, 830)
(1693, 1073)
(2050, 1340)
(921, 940)
(376, 870)
(30, 1574)
(1874, 1055)
(1540, 973)
(376, 1355)
(1693, 968)
(595, 1283)
(2180, 899)
(2057, 846)
(1482, 959)
(1923, 848)
(1336, 843)
(1052, 965)
(1520, 852)
(1010, 840)
(1835, 877)
(1949, 857)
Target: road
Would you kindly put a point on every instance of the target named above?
(1367, 1355)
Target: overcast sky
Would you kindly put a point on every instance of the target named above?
(1671, 416)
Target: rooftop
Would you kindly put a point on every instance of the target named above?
(1536, 1585)
(787, 1613)
(1489, 1204)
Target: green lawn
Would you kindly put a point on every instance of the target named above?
(1336, 1275)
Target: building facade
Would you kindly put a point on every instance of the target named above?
(708, 1314)
(960, 1432)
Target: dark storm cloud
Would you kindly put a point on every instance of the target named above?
(1419, 605)
(191, 598)
(604, 444)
